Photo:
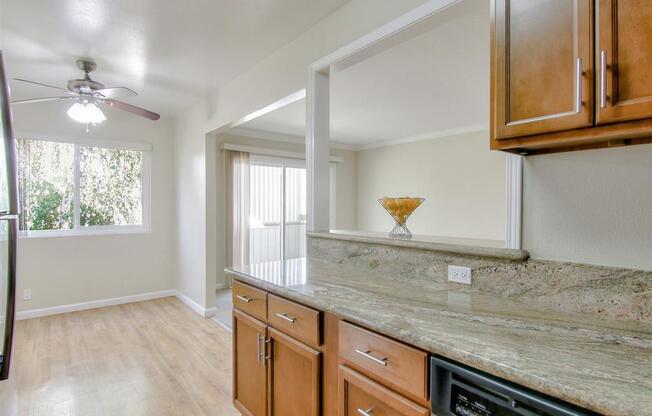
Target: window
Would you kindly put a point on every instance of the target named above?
(70, 188)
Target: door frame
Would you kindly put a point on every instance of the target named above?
(318, 118)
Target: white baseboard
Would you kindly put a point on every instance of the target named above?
(206, 313)
(100, 303)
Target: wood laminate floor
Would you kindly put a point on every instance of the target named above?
(147, 358)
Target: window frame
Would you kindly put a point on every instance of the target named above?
(77, 229)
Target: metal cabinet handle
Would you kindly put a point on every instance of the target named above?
(244, 298)
(578, 86)
(367, 354)
(368, 412)
(265, 356)
(603, 78)
(286, 317)
(258, 353)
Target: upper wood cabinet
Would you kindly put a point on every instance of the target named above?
(543, 66)
(624, 46)
(570, 74)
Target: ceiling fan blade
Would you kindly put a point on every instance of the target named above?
(43, 85)
(132, 109)
(39, 100)
(116, 92)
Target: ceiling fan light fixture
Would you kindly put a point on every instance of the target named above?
(86, 112)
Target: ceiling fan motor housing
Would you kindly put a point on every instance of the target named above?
(84, 85)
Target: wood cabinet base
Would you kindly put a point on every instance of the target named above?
(598, 137)
(360, 395)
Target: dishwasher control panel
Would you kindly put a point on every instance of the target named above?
(459, 390)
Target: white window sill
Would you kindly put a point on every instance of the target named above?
(97, 230)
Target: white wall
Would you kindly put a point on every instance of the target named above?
(275, 77)
(590, 206)
(462, 181)
(73, 269)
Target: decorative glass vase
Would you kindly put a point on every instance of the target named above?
(400, 210)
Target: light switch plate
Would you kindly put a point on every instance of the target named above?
(459, 274)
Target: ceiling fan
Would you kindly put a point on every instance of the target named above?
(87, 94)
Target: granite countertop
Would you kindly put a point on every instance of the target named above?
(475, 247)
(604, 366)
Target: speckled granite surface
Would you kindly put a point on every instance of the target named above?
(600, 364)
(611, 293)
(465, 246)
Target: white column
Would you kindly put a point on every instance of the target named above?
(514, 170)
(318, 149)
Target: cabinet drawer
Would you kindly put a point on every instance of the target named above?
(251, 300)
(295, 320)
(361, 396)
(399, 366)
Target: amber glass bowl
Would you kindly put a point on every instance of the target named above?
(400, 209)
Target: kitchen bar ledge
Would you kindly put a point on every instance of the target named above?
(605, 368)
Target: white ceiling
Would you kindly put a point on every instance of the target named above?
(434, 83)
(172, 52)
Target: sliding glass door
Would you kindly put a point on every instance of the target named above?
(277, 202)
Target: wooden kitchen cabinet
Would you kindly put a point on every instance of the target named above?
(570, 75)
(624, 45)
(274, 373)
(361, 396)
(295, 377)
(543, 66)
(249, 369)
(299, 361)
(398, 366)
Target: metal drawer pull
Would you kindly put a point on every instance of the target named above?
(603, 79)
(286, 317)
(244, 298)
(367, 354)
(578, 86)
(368, 412)
(265, 356)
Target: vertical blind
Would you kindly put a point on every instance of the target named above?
(274, 235)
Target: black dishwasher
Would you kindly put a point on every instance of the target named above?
(458, 390)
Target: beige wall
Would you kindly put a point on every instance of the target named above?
(590, 206)
(74, 269)
(463, 183)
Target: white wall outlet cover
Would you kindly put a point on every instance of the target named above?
(459, 274)
(27, 294)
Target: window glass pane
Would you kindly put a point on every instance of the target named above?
(110, 186)
(295, 212)
(46, 178)
(265, 213)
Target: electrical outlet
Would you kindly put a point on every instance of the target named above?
(27, 294)
(459, 274)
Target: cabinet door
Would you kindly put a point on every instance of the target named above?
(295, 375)
(361, 396)
(542, 66)
(249, 370)
(624, 46)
